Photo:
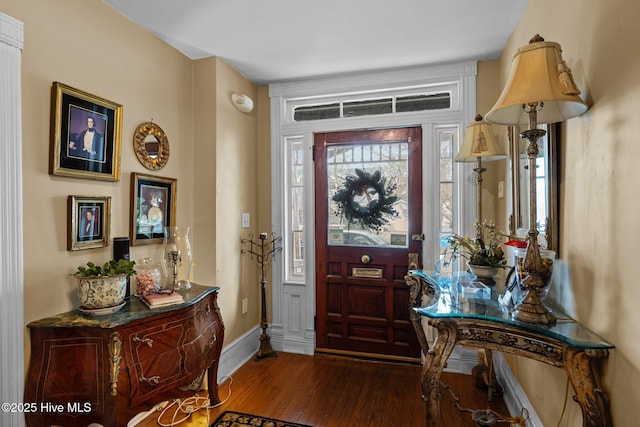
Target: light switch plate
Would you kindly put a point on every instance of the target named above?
(246, 222)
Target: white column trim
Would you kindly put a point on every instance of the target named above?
(11, 239)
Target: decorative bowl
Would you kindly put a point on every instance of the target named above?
(101, 291)
(484, 271)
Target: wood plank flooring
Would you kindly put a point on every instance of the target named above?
(331, 391)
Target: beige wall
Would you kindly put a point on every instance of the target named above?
(599, 206)
(88, 45)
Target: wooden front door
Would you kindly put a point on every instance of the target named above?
(368, 224)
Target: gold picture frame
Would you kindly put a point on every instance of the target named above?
(89, 219)
(153, 207)
(85, 135)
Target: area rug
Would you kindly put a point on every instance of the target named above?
(238, 419)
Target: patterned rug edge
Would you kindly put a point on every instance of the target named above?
(233, 418)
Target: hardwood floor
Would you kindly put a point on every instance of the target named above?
(328, 391)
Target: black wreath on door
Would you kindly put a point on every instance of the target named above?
(364, 199)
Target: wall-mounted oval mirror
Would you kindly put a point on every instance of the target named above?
(546, 183)
(151, 146)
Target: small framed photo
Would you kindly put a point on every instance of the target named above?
(85, 135)
(153, 207)
(88, 224)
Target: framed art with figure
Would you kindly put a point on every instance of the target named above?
(153, 207)
(85, 135)
(89, 219)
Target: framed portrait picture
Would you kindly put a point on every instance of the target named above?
(153, 207)
(88, 223)
(85, 135)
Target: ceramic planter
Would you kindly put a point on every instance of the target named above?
(101, 291)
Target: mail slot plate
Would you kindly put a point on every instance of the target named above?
(367, 273)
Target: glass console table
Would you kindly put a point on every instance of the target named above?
(462, 314)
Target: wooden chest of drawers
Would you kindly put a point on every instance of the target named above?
(108, 369)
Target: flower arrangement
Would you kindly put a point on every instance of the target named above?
(487, 252)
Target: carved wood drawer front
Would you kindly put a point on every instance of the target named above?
(157, 340)
(199, 352)
(203, 314)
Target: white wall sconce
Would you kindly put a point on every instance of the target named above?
(242, 102)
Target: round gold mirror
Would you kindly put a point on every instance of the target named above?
(151, 146)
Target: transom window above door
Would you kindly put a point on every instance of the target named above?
(367, 107)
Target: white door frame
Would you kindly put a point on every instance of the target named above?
(292, 325)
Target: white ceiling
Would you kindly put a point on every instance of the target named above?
(286, 40)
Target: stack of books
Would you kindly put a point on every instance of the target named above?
(158, 299)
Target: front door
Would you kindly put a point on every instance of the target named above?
(368, 226)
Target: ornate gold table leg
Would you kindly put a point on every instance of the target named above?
(584, 372)
(417, 288)
(434, 362)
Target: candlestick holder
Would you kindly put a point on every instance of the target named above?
(176, 258)
(264, 252)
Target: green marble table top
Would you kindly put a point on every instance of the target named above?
(134, 309)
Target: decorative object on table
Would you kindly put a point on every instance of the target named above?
(161, 299)
(153, 207)
(540, 89)
(264, 251)
(85, 135)
(547, 257)
(151, 145)
(479, 144)
(547, 165)
(88, 222)
(366, 200)
(102, 287)
(121, 250)
(485, 257)
(148, 278)
(238, 419)
(176, 258)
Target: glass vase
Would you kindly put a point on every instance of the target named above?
(176, 258)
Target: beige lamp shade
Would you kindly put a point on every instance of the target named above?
(538, 74)
(479, 141)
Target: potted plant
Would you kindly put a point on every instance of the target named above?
(103, 286)
(484, 256)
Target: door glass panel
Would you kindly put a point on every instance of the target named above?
(374, 175)
(445, 140)
(295, 219)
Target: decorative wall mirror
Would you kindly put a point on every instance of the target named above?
(547, 183)
(151, 146)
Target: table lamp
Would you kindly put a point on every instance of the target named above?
(540, 89)
(479, 144)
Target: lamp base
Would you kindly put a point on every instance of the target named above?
(265, 347)
(531, 310)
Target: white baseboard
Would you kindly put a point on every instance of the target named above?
(238, 352)
(513, 394)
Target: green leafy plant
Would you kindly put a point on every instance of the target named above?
(487, 252)
(110, 268)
